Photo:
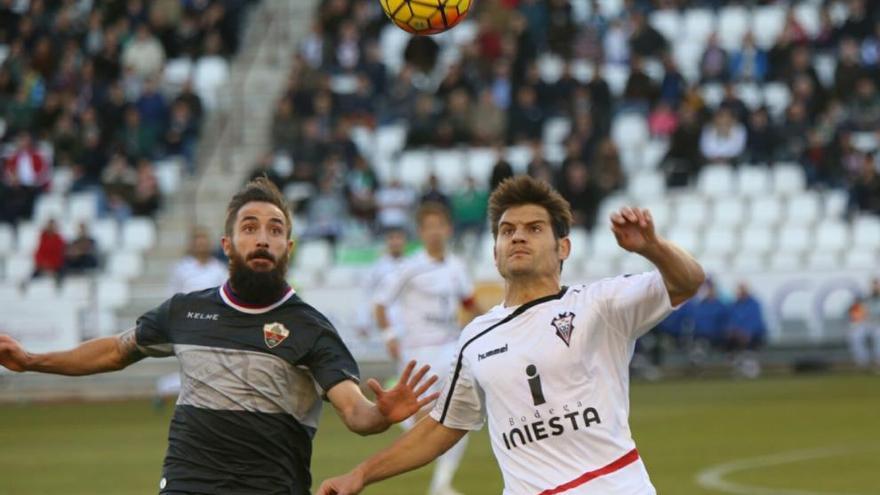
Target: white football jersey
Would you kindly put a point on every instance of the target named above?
(552, 377)
(427, 294)
(381, 270)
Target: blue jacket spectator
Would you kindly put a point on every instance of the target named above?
(749, 63)
(710, 316)
(746, 321)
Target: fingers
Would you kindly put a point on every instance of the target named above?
(374, 385)
(429, 399)
(418, 377)
(425, 386)
(407, 371)
(632, 215)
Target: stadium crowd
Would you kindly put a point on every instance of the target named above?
(85, 87)
(492, 94)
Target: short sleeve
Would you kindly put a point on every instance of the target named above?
(329, 360)
(462, 404)
(152, 331)
(633, 304)
(389, 288)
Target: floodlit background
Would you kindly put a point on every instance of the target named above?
(749, 128)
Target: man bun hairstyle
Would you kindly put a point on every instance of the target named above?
(262, 190)
(524, 190)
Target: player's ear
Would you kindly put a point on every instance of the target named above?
(564, 248)
(291, 246)
(226, 244)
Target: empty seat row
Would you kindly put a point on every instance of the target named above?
(135, 234)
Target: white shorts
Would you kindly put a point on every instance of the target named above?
(441, 358)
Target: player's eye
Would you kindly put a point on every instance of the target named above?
(536, 228)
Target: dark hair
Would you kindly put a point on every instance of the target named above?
(260, 189)
(432, 208)
(525, 190)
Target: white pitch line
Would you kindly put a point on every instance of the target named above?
(713, 477)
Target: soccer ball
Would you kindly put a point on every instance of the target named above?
(425, 16)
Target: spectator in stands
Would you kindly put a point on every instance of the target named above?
(432, 193)
(361, 184)
(683, 161)
(82, 252)
(749, 63)
(607, 169)
(146, 198)
(525, 120)
(864, 194)
(49, 256)
(864, 108)
(745, 332)
(724, 139)
(645, 41)
(662, 120)
(762, 138)
(713, 63)
(181, 134)
(198, 269)
(500, 171)
(27, 167)
(582, 192)
(711, 317)
(489, 123)
(143, 53)
(469, 209)
(119, 180)
(793, 132)
(848, 70)
(394, 202)
(673, 84)
(326, 211)
(615, 44)
(640, 90)
(423, 125)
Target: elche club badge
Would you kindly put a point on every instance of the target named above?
(564, 325)
(274, 334)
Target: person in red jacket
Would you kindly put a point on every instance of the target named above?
(49, 258)
(26, 166)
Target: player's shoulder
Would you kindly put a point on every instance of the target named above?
(305, 315)
(484, 322)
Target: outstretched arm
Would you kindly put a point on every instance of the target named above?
(94, 356)
(634, 230)
(392, 406)
(415, 448)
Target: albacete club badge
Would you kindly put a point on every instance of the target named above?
(564, 325)
(274, 333)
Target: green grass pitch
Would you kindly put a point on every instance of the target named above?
(682, 428)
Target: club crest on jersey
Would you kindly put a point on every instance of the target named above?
(274, 334)
(564, 325)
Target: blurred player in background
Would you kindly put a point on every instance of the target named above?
(391, 260)
(427, 292)
(256, 361)
(864, 317)
(549, 367)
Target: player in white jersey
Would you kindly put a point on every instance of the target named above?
(427, 292)
(548, 368)
(390, 262)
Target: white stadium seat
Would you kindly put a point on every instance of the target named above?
(788, 178)
(807, 14)
(804, 208)
(794, 239)
(168, 175)
(667, 22)
(10, 293)
(49, 206)
(728, 211)
(786, 262)
(832, 236)
(616, 76)
(777, 97)
(604, 246)
(633, 263)
(314, 255)
(390, 139)
(76, 289)
(687, 56)
(720, 241)
(7, 239)
(654, 152)
(685, 236)
(714, 263)
(450, 168)
(765, 210)
(823, 260)
(138, 234)
(19, 267)
(646, 185)
(660, 210)
(629, 131)
(862, 259)
(733, 23)
(713, 94)
(480, 162)
(42, 289)
(866, 232)
(209, 74)
(767, 24)
(691, 210)
(699, 24)
(27, 237)
(82, 206)
(519, 157)
(106, 234)
(756, 240)
(753, 180)
(716, 180)
(125, 265)
(177, 71)
(835, 203)
(556, 129)
(749, 262)
(750, 94)
(111, 293)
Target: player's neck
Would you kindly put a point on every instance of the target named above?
(436, 253)
(520, 291)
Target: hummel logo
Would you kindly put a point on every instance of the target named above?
(202, 316)
(491, 353)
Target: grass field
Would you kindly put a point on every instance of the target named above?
(776, 436)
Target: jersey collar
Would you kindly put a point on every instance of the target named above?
(233, 301)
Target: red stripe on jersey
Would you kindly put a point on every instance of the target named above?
(627, 459)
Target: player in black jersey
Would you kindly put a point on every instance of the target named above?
(255, 361)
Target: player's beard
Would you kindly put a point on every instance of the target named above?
(258, 287)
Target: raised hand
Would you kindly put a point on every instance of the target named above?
(404, 399)
(12, 356)
(633, 228)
